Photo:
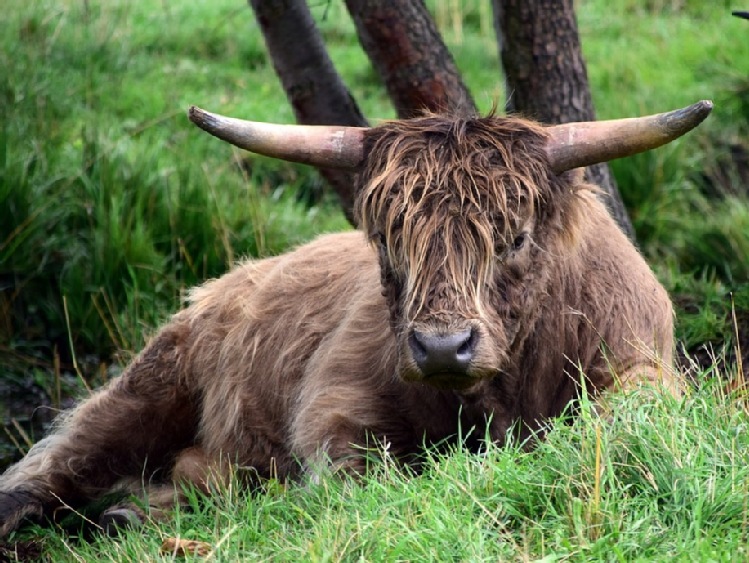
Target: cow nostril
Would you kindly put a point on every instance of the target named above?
(418, 348)
(466, 349)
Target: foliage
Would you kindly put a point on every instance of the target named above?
(101, 205)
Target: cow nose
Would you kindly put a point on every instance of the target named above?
(440, 354)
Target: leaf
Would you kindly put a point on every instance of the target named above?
(179, 547)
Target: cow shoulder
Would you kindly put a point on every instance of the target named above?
(624, 310)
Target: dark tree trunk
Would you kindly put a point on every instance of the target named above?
(405, 47)
(314, 87)
(546, 75)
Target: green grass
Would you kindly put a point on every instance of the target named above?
(112, 204)
(662, 480)
(109, 197)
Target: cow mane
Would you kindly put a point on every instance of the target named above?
(452, 193)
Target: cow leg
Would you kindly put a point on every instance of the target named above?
(657, 374)
(131, 428)
(340, 428)
(192, 468)
(336, 444)
(658, 377)
(152, 502)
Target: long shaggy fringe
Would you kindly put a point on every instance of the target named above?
(449, 195)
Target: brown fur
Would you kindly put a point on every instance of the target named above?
(286, 363)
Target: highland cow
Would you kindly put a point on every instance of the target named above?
(486, 290)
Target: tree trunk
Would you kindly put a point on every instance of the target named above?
(405, 47)
(547, 78)
(312, 84)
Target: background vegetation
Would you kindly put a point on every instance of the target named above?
(111, 204)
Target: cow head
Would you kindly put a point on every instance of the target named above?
(466, 215)
(463, 213)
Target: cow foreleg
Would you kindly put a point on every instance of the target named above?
(131, 428)
(343, 429)
(656, 377)
(332, 442)
(659, 376)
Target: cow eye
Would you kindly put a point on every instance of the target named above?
(519, 242)
(511, 249)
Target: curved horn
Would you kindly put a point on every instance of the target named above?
(573, 145)
(326, 146)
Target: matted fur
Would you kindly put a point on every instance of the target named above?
(288, 362)
(429, 189)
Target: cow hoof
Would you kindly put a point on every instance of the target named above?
(114, 520)
(16, 506)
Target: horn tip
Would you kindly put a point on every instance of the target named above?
(207, 121)
(705, 106)
(197, 116)
(682, 120)
(701, 110)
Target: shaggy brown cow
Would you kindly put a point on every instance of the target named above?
(488, 288)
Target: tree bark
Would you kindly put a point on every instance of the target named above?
(546, 75)
(313, 86)
(405, 47)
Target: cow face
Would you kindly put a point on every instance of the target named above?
(461, 213)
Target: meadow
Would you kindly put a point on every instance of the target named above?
(112, 204)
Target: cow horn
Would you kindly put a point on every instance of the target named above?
(326, 146)
(573, 145)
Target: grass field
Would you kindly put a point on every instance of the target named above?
(111, 204)
(664, 480)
